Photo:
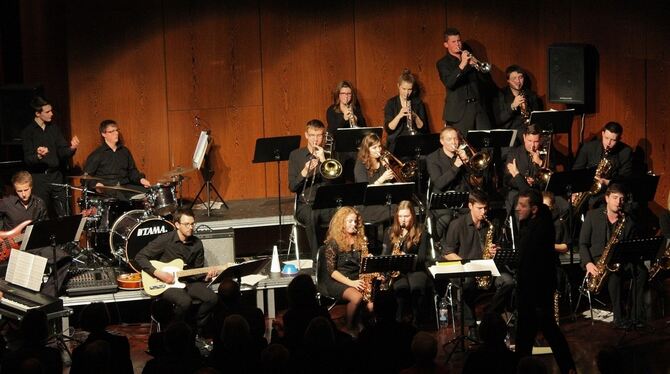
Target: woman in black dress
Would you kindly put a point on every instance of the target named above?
(400, 108)
(345, 110)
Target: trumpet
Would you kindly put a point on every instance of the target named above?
(402, 172)
(482, 67)
(410, 125)
(476, 162)
(352, 121)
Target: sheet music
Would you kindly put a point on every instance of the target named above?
(253, 279)
(26, 270)
(453, 267)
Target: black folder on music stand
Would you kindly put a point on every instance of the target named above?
(642, 188)
(339, 195)
(564, 183)
(506, 256)
(416, 145)
(386, 264)
(237, 271)
(349, 139)
(448, 200)
(389, 193)
(491, 138)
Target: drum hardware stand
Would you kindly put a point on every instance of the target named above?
(207, 175)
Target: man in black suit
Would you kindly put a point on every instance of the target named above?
(611, 147)
(465, 107)
(536, 280)
(597, 230)
(523, 162)
(515, 100)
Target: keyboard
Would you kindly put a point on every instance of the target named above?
(92, 282)
(18, 300)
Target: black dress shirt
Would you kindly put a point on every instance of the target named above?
(464, 239)
(621, 157)
(336, 119)
(506, 118)
(361, 173)
(51, 137)
(168, 247)
(420, 249)
(13, 212)
(115, 167)
(296, 182)
(392, 108)
(444, 175)
(596, 232)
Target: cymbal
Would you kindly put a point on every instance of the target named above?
(179, 170)
(85, 177)
(119, 188)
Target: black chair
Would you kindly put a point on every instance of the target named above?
(321, 275)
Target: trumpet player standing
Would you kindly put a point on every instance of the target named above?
(404, 114)
(304, 178)
(465, 79)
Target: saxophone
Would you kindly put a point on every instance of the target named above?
(603, 168)
(662, 263)
(484, 281)
(370, 280)
(594, 283)
(397, 251)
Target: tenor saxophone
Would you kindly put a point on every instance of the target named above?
(602, 170)
(662, 263)
(594, 283)
(484, 281)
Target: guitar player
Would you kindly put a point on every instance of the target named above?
(23, 206)
(181, 244)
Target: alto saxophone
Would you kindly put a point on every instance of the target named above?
(397, 251)
(369, 279)
(594, 283)
(484, 281)
(662, 263)
(602, 170)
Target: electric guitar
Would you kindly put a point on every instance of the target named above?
(10, 240)
(154, 286)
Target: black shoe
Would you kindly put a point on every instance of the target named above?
(622, 324)
(473, 334)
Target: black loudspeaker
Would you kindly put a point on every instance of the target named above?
(219, 245)
(572, 74)
(15, 111)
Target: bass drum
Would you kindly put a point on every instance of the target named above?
(133, 231)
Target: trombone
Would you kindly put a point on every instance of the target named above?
(476, 162)
(330, 168)
(544, 173)
(402, 172)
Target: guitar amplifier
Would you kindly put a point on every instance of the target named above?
(219, 245)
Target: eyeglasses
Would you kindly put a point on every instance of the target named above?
(111, 131)
(187, 224)
(346, 93)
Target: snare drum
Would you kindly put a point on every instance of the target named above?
(164, 198)
(133, 231)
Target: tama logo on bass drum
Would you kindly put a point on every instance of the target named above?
(144, 231)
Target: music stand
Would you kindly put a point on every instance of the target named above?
(348, 139)
(642, 188)
(416, 146)
(237, 271)
(339, 195)
(388, 194)
(459, 341)
(276, 149)
(201, 154)
(506, 256)
(388, 263)
(555, 122)
(53, 233)
(632, 252)
(448, 200)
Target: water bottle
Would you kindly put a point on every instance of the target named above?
(443, 312)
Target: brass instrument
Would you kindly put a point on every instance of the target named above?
(402, 172)
(594, 283)
(603, 169)
(330, 168)
(544, 173)
(482, 67)
(370, 280)
(484, 282)
(352, 120)
(476, 162)
(397, 251)
(523, 109)
(410, 125)
(661, 263)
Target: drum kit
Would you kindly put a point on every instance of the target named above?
(118, 228)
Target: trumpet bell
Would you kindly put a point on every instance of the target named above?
(330, 169)
(484, 67)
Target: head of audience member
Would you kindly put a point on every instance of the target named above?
(94, 357)
(478, 202)
(385, 306)
(42, 109)
(528, 204)
(319, 335)
(424, 349)
(548, 199)
(531, 138)
(531, 365)
(452, 42)
(315, 133)
(406, 83)
(23, 186)
(109, 131)
(610, 360)
(184, 221)
(229, 292)
(493, 329)
(516, 77)
(450, 140)
(301, 292)
(346, 229)
(615, 196)
(275, 359)
(611, 135)
(344, 94)
(94, 317)
(179, 339)
(34, 328)
(235, 333)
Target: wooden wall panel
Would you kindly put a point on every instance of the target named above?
(307, 48)
(390, 42)
(117, 70)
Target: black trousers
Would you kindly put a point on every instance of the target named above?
(628, 271)
(53, 196)
(312, 219)
(536, 313)
(182, 299)
(410, 290)
(474, 118)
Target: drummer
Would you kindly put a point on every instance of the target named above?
(113, 163)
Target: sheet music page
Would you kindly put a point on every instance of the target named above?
(253, 279)
(482, 265)
(25, 270)
(450, 267)
(447, 267)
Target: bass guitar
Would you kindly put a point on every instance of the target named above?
(154, 286)
(10, 240)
